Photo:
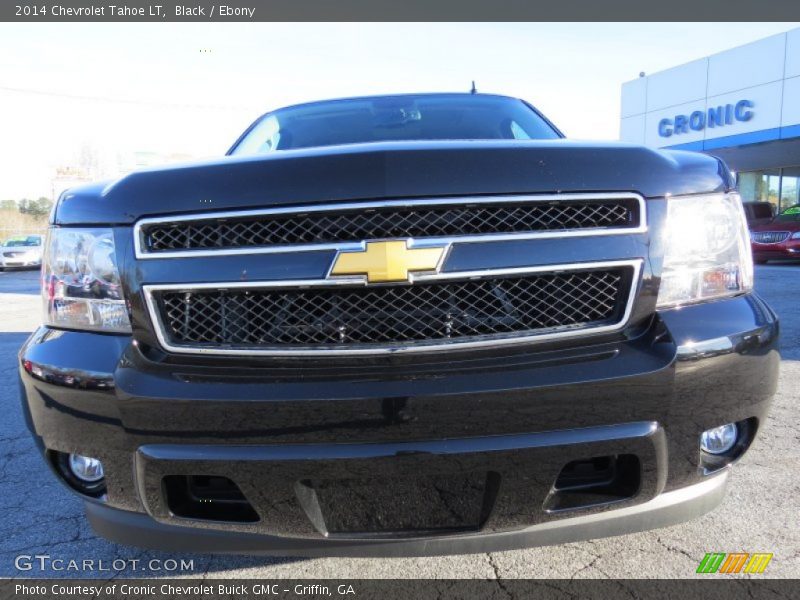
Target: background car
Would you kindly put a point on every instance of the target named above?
(779, 238)
(21, 251)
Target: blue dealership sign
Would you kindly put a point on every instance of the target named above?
(716, 116)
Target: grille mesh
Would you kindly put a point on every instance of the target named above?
(344, 317)
(390, 222)
(769, 237)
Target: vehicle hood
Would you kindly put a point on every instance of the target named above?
(774, 225)
(393, 170)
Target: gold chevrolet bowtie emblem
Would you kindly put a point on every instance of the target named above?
(387, 261)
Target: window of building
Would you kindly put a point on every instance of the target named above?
(779, 187)
(790, 187)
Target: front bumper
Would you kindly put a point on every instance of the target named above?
(8, 263)
(789, 249)
(339, 460)
(667, 509)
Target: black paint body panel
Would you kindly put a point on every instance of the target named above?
(393, 170)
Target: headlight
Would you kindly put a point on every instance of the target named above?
(796, 235)
(707, 250)
(80, 281)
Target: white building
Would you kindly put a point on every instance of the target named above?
(742, 105)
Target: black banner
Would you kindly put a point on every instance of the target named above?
(397, 10)
(714, 588)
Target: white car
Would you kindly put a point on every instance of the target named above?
(21, 251)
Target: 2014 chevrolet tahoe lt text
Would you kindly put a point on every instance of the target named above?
(400, 325)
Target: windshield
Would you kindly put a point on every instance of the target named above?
(790, 214)
(395, 118)
(32, 240)
(760, 210)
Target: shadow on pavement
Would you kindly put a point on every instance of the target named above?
(781, 263)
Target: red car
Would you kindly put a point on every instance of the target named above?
(779, 238)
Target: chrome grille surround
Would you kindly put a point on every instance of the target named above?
(152, 296)
(769, 237)
(215, 224)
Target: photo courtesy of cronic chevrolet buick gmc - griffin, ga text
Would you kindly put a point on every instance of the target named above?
(400, 325)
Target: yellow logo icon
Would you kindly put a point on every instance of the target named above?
(387, 261)
(719, 562)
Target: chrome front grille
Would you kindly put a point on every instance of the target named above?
(769, 237)
(431, 313)
(434, 310)
(332, 225)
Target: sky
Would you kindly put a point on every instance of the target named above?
(95, 94)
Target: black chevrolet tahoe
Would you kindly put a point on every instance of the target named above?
(400, 325)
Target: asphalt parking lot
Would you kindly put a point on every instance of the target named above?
(758, 515)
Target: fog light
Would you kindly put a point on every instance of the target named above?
(720, 439)
(86, 468)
